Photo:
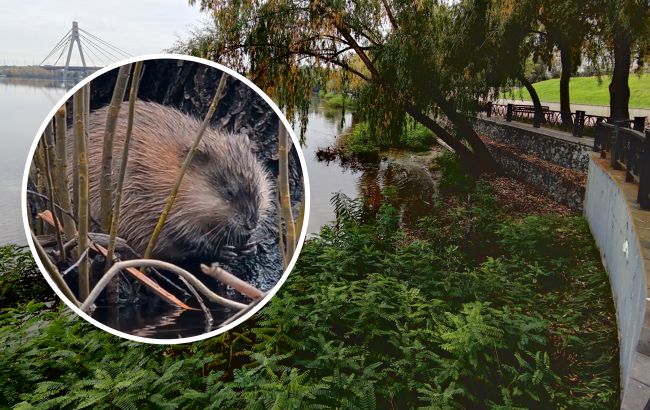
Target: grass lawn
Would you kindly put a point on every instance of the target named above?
(588, 90)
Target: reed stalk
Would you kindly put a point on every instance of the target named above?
(105, 182)
(48, 137)
(115, 219)
(62, 190)
(78, 107)
(188, 158)
(86, 89)
(39, 181)
(285, 197)
(53, 271)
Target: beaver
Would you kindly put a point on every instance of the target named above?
(225, 194)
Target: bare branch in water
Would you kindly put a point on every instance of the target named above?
(231, 280)
(118, 266)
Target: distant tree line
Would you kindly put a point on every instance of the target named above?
(25, 72)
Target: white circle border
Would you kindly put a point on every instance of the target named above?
(270, 293)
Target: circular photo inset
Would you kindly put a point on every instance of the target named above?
(165, 199)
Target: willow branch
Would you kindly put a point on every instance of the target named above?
(390, 15)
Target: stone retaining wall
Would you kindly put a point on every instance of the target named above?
(554, 146)
(563, 185)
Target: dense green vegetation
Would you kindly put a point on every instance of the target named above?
(337, 101)
(20, 279)
(589, 90)
(360, 143)
(470, 309)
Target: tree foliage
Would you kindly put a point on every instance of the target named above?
(417, 58)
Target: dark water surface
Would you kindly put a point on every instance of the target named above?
(24, 105)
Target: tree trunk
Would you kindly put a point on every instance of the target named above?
(539, 115)
(467, 157)
(619, 90)
(566, 60)
(484, 161)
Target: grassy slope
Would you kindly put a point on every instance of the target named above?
(587, 90)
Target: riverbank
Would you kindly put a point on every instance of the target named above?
(471, 306)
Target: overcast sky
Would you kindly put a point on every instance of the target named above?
(30, 29)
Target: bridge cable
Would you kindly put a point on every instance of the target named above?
(107, 53)
(110, 56)
(116, 49)
(90, 58)
(94, 51)
(107, 44)
(60, 55)
(59, 44)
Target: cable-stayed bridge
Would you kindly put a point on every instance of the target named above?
(98, 53)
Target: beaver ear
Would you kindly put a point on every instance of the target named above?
(200, 156)
(252, 144)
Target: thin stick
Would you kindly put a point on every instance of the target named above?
(53, 271)
(62, 189)
(118, 266)
(231, 280)
(209, 320)
(47, 141)
(78, 106)
(172, 196)
(133, 95)
(285, 198)
(242, 312)
(84, 254)
(105, 181)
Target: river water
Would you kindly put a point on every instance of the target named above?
(24, 104)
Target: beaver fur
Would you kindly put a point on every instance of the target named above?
(225, 194)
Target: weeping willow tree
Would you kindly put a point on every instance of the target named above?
(417, 58)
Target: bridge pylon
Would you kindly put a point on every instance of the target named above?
(74, 37)
(99, 52)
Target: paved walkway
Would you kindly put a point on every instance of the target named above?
(589, 109)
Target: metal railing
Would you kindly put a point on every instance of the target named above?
(628, 149)
(579, 119)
